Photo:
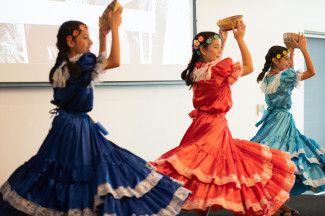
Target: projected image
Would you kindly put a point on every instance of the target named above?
(12, 44)
(155, 34)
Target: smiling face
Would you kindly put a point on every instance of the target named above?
(79, 44)
(212, 51)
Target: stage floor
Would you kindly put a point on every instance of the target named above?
(307, 205)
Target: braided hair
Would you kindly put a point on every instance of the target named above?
(200, 40)
(272, 53)
(67, 29)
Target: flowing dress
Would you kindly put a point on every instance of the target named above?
(78, 172)
(278, 130)
(222, 172)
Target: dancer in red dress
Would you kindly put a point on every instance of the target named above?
(222, 172)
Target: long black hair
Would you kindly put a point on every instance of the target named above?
(272, 53)
(66, 29)
(200, 40)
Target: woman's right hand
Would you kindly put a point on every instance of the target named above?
(302, 42)
(239, 33)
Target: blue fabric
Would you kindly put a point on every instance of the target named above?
(279, 131)
(75, 159)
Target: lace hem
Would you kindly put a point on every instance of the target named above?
(138, 191)
(273, 205)
(173, 208)
(32, 208)
(315, 183)
(293, 154)
(315, 160)
(222, 180)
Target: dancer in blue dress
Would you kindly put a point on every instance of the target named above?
(77, 171)
(278, 130)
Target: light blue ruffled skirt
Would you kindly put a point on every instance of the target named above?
(279, 131)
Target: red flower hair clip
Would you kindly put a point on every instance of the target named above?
(69, 38)
(76, 32)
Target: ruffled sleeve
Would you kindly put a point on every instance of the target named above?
(91, 66)
(226, 71)
(87, 64)
(291, 78)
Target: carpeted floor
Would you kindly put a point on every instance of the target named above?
(307, 205)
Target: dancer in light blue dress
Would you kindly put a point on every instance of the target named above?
(278, 128)
(77, 171)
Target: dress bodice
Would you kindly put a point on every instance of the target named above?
(278, 88)
(212, 94)
(77, 93)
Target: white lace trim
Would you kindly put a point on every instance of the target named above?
(99, 68)
(138, 191)
(173, 208)
(315, 160)
(32, 208)
(204, 73)
(315, 182)
(298, 79)
(61, 74)
(221, 180)
(272, 86)
(75, 58)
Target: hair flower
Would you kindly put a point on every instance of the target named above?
(201, 38)
(278, 56)
(216, 37)
(196, 43)
(75, 33)
(69, 38)
(209, 40)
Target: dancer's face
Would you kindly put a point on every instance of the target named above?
(212, 52)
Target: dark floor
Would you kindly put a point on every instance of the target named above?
(307, 205)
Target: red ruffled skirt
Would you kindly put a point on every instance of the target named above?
(222, 172)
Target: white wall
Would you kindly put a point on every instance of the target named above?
(149, 120)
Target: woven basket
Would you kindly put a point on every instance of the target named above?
(288, 39)
(228, 23)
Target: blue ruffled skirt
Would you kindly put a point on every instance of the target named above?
(279, 131)
(77, 171)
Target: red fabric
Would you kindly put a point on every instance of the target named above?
(222, 172)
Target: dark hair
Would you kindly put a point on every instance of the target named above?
(196, 56)
(273, 51)
(67, 28)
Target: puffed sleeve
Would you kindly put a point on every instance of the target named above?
(226, 71)
(87, 64)
(291, 78)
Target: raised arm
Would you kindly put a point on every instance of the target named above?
(302, 45)
(239, 34)
(223, 35)
(113, 23)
